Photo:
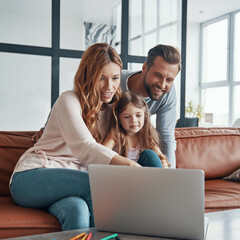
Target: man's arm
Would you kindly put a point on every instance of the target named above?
(165, 124)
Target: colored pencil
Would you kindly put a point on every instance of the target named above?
(78, 236)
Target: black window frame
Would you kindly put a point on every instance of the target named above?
(55, 52)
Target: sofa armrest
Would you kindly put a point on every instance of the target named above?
(12, 146)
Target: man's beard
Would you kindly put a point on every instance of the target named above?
(148, 89)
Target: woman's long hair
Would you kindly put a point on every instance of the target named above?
(148, 136)
(89, 72)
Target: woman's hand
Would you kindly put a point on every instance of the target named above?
(119, 160)
(37, 135)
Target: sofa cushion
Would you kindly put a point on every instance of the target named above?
(221, 195)
(214, 150)
(12, 146)
(19, 221)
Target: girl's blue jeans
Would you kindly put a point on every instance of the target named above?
(65, 193)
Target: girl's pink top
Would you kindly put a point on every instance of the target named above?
(133, 153)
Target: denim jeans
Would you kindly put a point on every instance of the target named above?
(65, 193)
(149, 158)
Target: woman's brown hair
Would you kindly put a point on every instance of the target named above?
(89, 72)
(148, 136)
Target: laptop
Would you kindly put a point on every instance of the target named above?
(148, 201)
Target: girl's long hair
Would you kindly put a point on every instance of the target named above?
(148, 136)
(89, 72)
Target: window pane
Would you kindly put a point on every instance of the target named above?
(136, 46)
(26, 22)
(215, 104)
(135, 19)
(160, 18)
(167, 17)
(135, 66)
(150, 15)
(68, 69)
(237, 48)
(168, 35)
(215, 51)
(150, 41)
(86, 22)
(236, 101)
(25, 92)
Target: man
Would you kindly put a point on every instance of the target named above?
(156, 84)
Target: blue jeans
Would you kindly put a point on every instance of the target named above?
(65, 193)
(149, 158)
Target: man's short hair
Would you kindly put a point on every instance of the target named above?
(169, 53)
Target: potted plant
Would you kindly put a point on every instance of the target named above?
(193, 110)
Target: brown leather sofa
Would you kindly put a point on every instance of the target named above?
(15, 220)
(216, 151)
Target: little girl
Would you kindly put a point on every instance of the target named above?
(132, 134)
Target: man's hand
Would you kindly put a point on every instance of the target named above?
(37, 135)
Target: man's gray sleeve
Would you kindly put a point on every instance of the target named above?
(165, 124)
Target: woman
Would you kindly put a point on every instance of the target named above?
(53, 174)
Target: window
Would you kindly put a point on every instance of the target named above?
(26, 22)
(215, 51)
(220, 74)
(25, 91)
(216, 101)
(237, 48)
(68, 69)
(152, 22)
(49, 39)
(236, 101)
(83, 25)
(42, 42)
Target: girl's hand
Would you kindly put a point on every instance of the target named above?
(165, 163)
(119, 160)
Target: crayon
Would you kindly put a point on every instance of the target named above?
(78, 236)
(109, 237)
(84, 238)
(89, 236)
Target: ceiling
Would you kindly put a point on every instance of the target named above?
(203, 10)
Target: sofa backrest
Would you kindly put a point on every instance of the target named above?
(214, 150)
(12, 146)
